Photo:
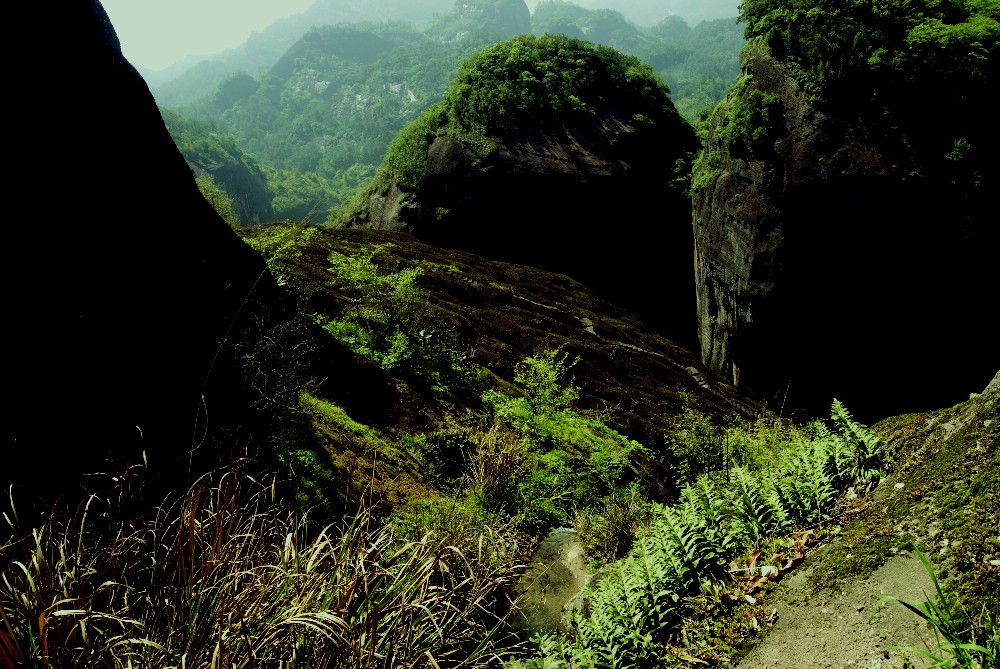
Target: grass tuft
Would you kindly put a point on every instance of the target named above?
(226, 576)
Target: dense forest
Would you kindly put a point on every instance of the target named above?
(412, 453)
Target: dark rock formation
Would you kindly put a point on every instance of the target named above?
(636, 379)
(827, 265)
(122, 294)
(593, 203)
(243, 182)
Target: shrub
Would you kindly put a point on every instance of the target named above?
(607, 534)
(579, 460)
(389, 323)
(499, 465)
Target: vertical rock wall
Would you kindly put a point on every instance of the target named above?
(824, 267)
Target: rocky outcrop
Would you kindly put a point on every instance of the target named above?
(597, 204)
(243, 182)
(119, 303)
(826, 263)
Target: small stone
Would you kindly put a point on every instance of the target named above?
(995, 563)
(860, 607)
(899, 486)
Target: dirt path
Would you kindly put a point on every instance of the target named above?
(838, 630)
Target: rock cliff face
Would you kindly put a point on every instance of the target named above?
(596, 204)
(246, 184)
(119, 302)
(825, 263)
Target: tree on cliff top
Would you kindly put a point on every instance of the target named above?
(529, 82)
(922, 71)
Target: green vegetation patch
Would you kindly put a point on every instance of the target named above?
(946, 505)
(390, 323)
(527, 79)
(638, 605)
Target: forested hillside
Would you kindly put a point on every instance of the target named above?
(560, 142)
(321, 117)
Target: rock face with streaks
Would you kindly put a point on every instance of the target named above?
(825, 262)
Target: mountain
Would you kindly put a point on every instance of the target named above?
(650, 12)
(698, 64)
(542, 151)
(842, 208)
(499, 18)
(262, 50)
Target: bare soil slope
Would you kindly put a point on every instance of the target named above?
(846, 628)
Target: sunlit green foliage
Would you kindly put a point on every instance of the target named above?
(849, 41)
(280, 245)
(576, 462)
(527, 80)
(636, 605)
(904, 63)
(699, 64)
(389, 322)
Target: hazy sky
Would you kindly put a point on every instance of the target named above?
(157, 33)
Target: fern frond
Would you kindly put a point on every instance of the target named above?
(756, 510)
(866, 447)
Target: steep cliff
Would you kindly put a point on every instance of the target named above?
(844, 240)
(122, 292)
(551, 152)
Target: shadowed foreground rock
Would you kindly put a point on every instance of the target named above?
(123, 281)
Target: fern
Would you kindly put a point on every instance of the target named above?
(709, 505)
(637, 604)
(756, 510)
(865, 446)
(838, 462)
(684, 532)
(806, 491)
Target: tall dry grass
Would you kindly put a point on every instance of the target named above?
(226, 576)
